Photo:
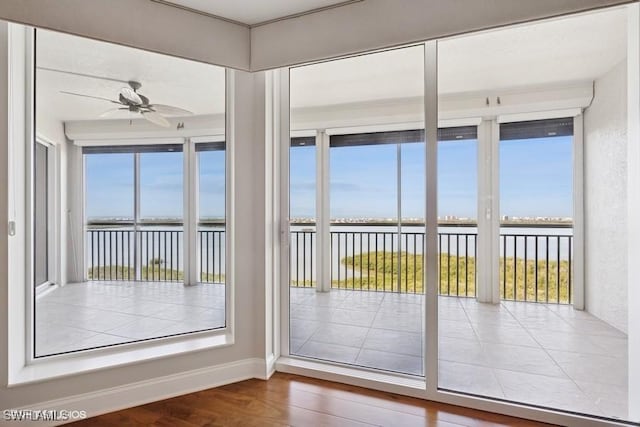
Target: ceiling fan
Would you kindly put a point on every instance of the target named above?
(130, 100)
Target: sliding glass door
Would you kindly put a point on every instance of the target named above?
(528, 251)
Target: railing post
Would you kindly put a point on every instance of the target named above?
(323, 221)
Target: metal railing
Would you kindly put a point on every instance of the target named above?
(211, 244)
(151, 255)
(536, 267)
(533, 267)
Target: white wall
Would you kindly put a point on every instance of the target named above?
(605, 198)
(139, 23)
(633, 153)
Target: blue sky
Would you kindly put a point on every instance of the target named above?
(535, 180)
(110, 185)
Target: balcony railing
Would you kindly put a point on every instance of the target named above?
(535, 265)
(151, 255)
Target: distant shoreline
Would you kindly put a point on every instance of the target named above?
(379, 222)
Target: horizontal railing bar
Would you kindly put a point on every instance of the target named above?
(440, 224)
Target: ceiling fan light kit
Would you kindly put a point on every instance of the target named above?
(130, 100)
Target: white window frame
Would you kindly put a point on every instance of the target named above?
(23, 367)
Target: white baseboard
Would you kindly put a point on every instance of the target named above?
(270, 366)
(135, 394)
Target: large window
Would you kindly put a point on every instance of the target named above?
(140, 196)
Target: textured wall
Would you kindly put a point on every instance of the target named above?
(605, 164)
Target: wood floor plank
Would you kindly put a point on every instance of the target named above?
(290, 400)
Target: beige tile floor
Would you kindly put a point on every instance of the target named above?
(541, 354)
(94, 314)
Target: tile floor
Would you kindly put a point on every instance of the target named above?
(546, 355)
(94, 314)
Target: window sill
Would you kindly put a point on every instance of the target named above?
(66, 365)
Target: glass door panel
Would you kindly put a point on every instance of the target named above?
(547, 324)
(356, 296)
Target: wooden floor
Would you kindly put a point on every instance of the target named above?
(298, 401)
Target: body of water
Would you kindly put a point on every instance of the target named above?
(553, 243)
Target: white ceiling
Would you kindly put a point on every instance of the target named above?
(194, 86)
(570, 49)
(253, 12)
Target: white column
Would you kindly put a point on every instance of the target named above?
(488, 255)
(323, 220)
(190, 214)
(633, 206)
(578, 214)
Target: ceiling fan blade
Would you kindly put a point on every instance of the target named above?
(170, 110)
(156, 118)
(131, 96)
(113, 112)
(89, 96)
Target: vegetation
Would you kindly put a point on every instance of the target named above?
(371, 271)
(151, 272)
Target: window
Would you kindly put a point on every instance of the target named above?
(143, 200)
(536, 210)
